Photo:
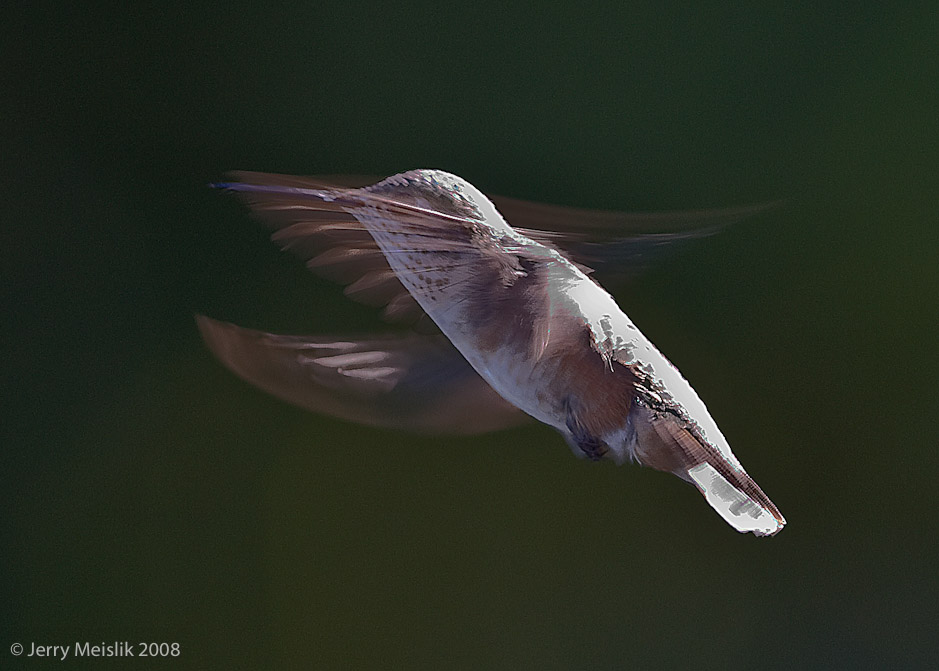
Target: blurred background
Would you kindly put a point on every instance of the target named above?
(149, 495)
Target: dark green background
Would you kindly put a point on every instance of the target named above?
(149, 495)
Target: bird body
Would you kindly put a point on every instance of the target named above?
(532, 325)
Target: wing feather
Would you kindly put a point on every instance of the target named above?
(414, 382)
(313, 217)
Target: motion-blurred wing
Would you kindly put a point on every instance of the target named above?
(413, 382)
(612, 243)
(336, 245)
(433, 233)
(617, 245)
(330, 240)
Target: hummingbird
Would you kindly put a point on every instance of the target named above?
(520, 327)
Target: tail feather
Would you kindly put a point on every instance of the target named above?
(738, 508)
(666, 444)
(726, 486)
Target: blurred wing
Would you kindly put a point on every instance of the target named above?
(414, 382)
(588, 225)
(611, 223)
(330, 240)
(336, 245)
(429, 231)
(614, 244)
